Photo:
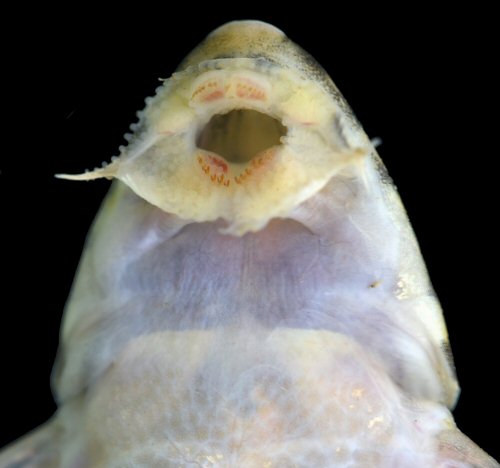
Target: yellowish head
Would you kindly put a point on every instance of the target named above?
(247, 128)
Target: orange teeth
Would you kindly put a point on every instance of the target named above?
(209, 91)
(240, 87)
(214, 167)
(249, 89)
(257, 165)
(220, 172)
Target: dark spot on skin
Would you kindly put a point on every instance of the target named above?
(261, 61)
(445, 346)
(314, 71)
(385, 178)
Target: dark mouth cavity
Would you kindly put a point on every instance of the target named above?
(240, 134)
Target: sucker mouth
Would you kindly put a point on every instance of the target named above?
(240, 134)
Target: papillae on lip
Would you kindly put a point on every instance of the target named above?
(239, 139)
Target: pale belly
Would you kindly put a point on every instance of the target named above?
(226, 398)
(270, 350)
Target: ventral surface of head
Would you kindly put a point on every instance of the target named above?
(247, 129)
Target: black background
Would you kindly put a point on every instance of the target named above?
(415, 78)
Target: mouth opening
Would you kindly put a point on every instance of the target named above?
(240, 134)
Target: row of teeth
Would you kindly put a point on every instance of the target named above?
(221, 178)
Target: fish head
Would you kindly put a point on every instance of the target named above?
(245, 130)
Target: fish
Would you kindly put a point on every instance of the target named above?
(251, 293)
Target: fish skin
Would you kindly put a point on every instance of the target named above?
(305, 334)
